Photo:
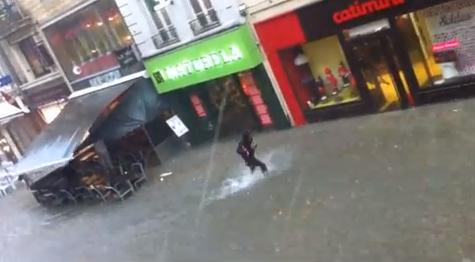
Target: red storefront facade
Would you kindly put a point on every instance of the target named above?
(340, 58)
(272, 42)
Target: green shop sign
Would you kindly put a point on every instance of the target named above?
(224, 54)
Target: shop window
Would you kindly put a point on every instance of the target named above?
(206, 16)
(37, 56)
(166, 31)
(319, 74)
(440, 43)
(87, 43)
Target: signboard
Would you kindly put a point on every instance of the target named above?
(451, 28)
(364, 8)
(105, 78)
(178, 127)
(227, 53)
(327, 17)
(446, 45)
(126, 57)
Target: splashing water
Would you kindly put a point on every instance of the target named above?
(278, 161)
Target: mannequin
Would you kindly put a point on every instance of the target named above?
(332, 81)
(344, 74)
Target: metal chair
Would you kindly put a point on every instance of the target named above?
(140, 176)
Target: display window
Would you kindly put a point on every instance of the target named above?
(87, 43)
(320, 74)
(440, 42)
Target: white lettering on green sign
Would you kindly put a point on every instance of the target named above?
(202, 63)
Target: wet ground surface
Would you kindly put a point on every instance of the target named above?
(398, 186)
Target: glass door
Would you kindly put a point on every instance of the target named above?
(380, 70)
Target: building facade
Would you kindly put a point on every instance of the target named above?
(340, 58)
(91, 43)
(30, 84)
(203, 58)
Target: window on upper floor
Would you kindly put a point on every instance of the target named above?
(166, 31)
(37, 56)
(206, 17)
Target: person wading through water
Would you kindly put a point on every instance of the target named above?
(247, 150)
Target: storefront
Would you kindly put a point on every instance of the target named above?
(218, 85)
(93, 45)
(339, 58)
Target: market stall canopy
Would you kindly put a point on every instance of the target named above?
(55, 146)
(8, 111)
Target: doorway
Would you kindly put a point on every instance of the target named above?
(381, 70)
(227, 106)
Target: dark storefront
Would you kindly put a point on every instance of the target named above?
(351, 57)
(218, 86)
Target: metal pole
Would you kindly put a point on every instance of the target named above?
(151, 143)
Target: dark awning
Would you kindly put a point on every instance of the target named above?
(141, 105)
(55, 146)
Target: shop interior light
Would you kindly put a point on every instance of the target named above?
(99, 23)
(301, 59)
(111, 18)
(88, 25)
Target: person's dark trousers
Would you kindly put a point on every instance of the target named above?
(254, 162)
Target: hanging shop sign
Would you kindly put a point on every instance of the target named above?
(224, 54)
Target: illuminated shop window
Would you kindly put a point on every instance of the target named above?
(87, 41)
(319, 74)
(440, 42)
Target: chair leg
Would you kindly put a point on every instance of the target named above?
(69, 195)
(101, 195)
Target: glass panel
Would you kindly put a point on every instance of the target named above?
(440, 42)
(86, 42)
(207, 4)
(376, 72)
(33, 54)
(196, 6)
(165, 16)
(319, 74)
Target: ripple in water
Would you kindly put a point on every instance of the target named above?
(278, 161)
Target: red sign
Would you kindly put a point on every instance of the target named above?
(198, 105)
(447, 45)
(249, 86)
(364, 8)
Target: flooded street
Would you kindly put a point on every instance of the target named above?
(389, 187)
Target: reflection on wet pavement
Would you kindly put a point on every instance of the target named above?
(387, 187)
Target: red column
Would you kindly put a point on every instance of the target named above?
(276, 34)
